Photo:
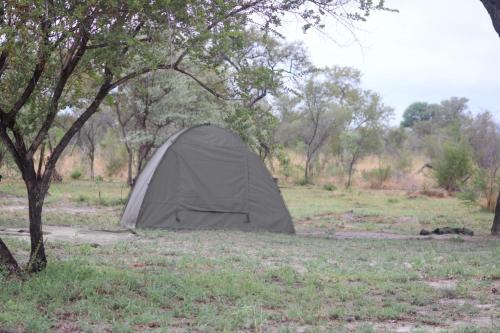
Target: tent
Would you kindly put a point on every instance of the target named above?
(205, 177)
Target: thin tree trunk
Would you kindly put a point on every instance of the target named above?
(495, 228)
(36, 196)
(350, 171)
(92, 158)
(306, 171)
(7, 259)
(129, 166)
(41, 159)
(349, 176)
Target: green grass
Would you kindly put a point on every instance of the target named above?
(99, 204)
(260, 282)
(382, 210)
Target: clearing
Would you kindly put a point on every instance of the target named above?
(356, 264)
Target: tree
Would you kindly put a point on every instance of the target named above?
(364, 132)
(151, 107)
(416, 112)
(323, 109)
(89, 136)
(3, 153)
(264, 67)
(452, 167)
(483, 135)
(56, 53)
(493, 8)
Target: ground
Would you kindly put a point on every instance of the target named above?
(356, 264)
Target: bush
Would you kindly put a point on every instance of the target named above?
(329, 187)
(452, 167)
(377, 177)
(76, 174)
(468, 196)
(285, 163)
(301, 182)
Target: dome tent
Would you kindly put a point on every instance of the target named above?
(205, 177)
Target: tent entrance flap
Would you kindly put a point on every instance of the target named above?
(212, 179)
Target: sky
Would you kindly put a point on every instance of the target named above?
(431, 50)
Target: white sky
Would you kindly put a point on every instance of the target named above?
(431, 50)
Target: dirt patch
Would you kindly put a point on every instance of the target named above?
(353, 234)
(442, 284)
(9, 199)
(73, 235)
(357, 235)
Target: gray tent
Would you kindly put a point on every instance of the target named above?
(205, 177)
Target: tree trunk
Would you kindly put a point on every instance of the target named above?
(349, 175)
(306, 171)
(92, 158)
(36, 196)
(129, 166)
(7, 261)
(495, 228)
(493, 8)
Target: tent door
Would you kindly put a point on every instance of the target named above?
(212, 179)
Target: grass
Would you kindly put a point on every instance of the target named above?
(231, 281)
(374, 210)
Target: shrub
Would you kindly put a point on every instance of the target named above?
(285, 163)
(377, 177)
(468, 196)
(452, 167)
(76, 174)
(301, 182)
(329, 187)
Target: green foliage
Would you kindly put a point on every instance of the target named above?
(452, 166)
(329, 187)
(377, 177)
(285, 163)
(468, 195)
(301, 182)
(417, 112)
(76, 174)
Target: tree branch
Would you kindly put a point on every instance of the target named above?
(37, 73)
(201, 83)
(76, 126)
(18, 158)
(3, 62)
(56, 95)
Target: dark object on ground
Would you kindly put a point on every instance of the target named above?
(206, 177)
(0, 178)
(447, 230)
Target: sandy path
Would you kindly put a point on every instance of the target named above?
(101, 237)
(72, 234)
